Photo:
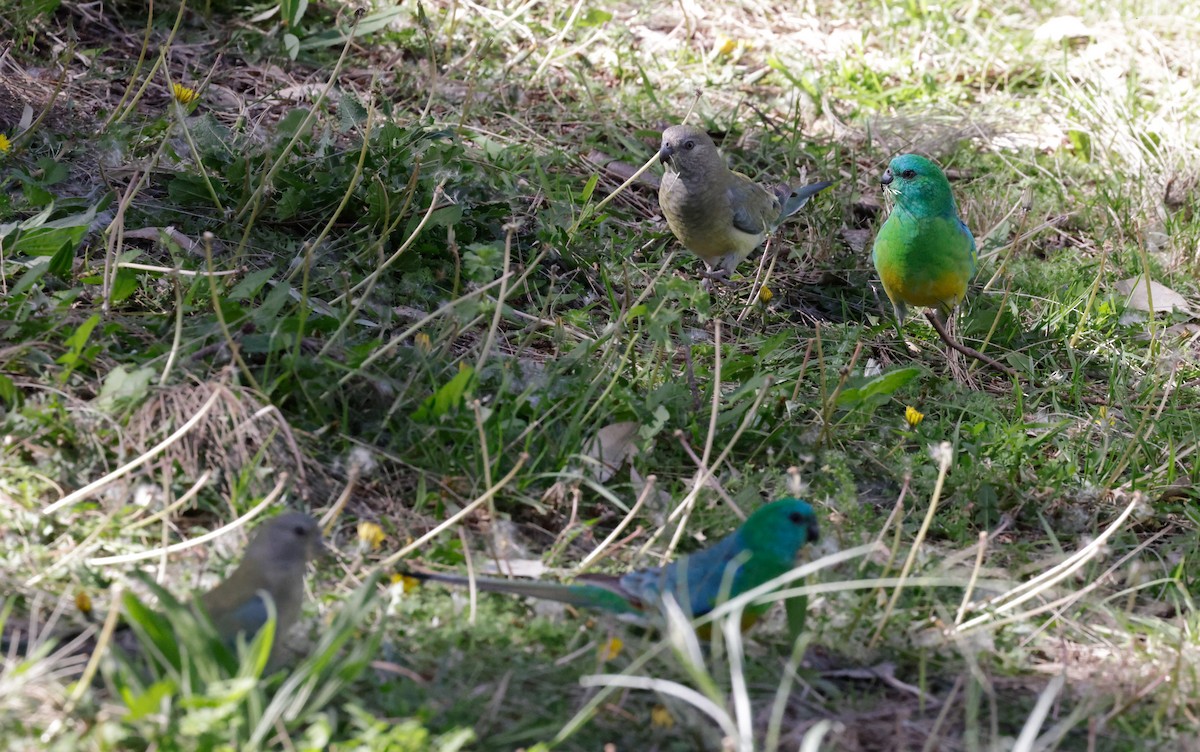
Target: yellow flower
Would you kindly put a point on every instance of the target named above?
(406, 582)
(370, 535)
(83, 602)
(423, 342)
(611, 649)
(660, 717)
(183, 94)
(765, 294)
(913, 416)
(5, 144)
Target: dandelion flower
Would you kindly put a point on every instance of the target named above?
(183, 94)
(913, 416)
(660, 717)
(370, 535)
(5, 144)
(611, 649)
(406, 582)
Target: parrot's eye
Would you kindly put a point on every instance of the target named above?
(908, 174)
(300, 531)
(796, 517)
(689, 145)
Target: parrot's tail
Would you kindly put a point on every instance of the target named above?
(794, 199)
(593, 595)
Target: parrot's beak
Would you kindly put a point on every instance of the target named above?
(664, 154)
(887, 177)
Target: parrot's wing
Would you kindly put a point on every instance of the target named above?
(697, 581)
(246, 618)
(754, 207)
(974, 253)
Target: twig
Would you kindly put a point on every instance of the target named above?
(945, 457)
(330, 518)
(1052, 576)
(641, 499)
(712, 478)
(133, 464)
(268, 500)
(970, 352)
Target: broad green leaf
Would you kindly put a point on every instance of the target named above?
(125, 283)
(61, 261)
(8, 391)
(291, 45)
(797, 615)
(76, 341)
(876, 388)
(593, 17)
(448, 397)
(121, 384)
(251, 284)
(34, 273)
(370, 23)
(47, 240)
(589, 188)
(293, 11)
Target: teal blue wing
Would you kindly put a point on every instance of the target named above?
(246, 619)
(697, 581)
(974, 253)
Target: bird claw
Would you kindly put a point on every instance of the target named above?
(716, 275)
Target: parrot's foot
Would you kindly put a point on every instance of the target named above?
(909, 345)
(719, 274)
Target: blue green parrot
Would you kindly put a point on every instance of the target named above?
(761, 549)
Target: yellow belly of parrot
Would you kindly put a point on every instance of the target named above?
(946, 290)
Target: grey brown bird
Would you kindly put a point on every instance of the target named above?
(718, 214)
(274, 564)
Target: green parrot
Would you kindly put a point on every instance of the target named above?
(763, 548)
(718, 214)
(924, 253)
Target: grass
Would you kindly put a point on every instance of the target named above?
(376, 272)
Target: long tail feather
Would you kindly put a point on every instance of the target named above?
(797, 198)
(596, 596)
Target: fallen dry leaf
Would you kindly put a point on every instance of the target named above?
(609, 449)
(1158, 299)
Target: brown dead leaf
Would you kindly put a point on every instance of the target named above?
(1157, 299)
(610, 448)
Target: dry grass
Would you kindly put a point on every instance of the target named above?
(1073, 139)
